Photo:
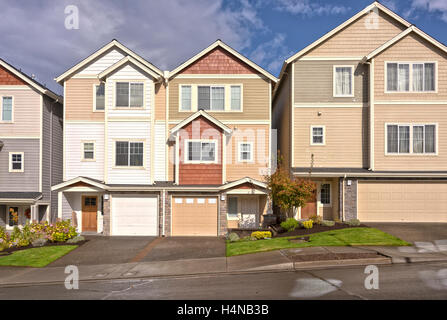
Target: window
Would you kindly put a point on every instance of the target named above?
(245, 152)
(211, 98)
(13, 216)
(325, 193)
(88, 150)
(235, 98)
(90, 201)
(99, 96)
(317, 136)
(185, 102)
(201, 151)
(16, 162)
(423, 139)
(6, 108)
(343, 81)
(129, 153)
(421, 77)
(129, 94)
(232, 207)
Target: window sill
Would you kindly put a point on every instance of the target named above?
(317, 144)
(348, 96)
(16, 171)
(230, 218)
(411, 154)
(100, 111)
(129, 168)
(410, 92)
(7, 122)
(128, 108)
(88, 160)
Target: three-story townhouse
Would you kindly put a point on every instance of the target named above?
(30, 148)
(363, 109)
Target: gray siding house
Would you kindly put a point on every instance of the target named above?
(31, 132)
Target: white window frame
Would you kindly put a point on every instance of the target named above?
(234, 217)
(230, 98)
(1, 109)
(330, 194)
(312, 136)
(239, 151)
(410, 63)
(186, 154)
(94, 97)
(10, 161)
(411, 153)
(180, 107)
(129, 107)
(83, 142)
(352, 82)
(211, 99)
(115, 166)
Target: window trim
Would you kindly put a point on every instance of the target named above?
(211, 86)
(411, 153)
(11, 153)
(83, 142)
(180, 98)
(129, 167)
(186, 153)
(130, 82)
(410, 63)
(239, 151)
(195, 96)
(12, 111)
(330, 194)
(230, 99)
(352, 83)
(312, 135)
(94, 97)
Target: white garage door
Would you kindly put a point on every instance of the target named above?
(134, 215)
(402, 201)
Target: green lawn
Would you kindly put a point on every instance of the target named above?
(340, 237)
(35, 257)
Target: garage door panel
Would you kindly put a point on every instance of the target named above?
(194, 216)
(402, 201)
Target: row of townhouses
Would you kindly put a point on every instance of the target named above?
(133, 150)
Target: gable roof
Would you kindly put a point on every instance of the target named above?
(243, 181)
(219, 43)
(204, 114)
(33, 83)
(123, 61)
(89, 181)
(96, 54)
(400, 36)
(334, 31)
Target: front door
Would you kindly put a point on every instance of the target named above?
(249, 212)
(310, 209)
(89, 212)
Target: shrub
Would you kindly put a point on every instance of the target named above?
(3, 234)
(353, 222)
(39, 242)
(308, 224)
(233, 237)
(78, 239)
(4, 244)
(290, 224)
(261, 234)
(327, 223)
(316, 219)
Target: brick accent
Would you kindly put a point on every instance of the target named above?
(351, 199)
(7, 78)
(106, 217)
(223, 224)
(168, 214)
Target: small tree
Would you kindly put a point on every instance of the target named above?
(287, 193)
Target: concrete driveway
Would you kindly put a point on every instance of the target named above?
(104, 250)
(413, 231)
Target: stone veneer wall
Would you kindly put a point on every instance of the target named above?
(351, 199)
(106, 216)
(223, 224)
(168, 200)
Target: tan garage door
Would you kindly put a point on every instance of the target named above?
(194, 216)
(402, 201)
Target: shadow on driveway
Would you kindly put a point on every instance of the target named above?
(413, 231)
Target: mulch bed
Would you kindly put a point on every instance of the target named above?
(316, 228)
(334, 256)
(48, 244)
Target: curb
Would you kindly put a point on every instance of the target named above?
(322, 264)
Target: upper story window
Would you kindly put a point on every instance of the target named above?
(236, 98)
(415, 77)
(201, 151)
(245, 152)
(88, 151)
(325, 193)
(129, 94)
(6, 109)
(16, 162)
(317, 135)
(343, 81)
(211, 98)
(129, 154)
(185, 98)
(415, 139)
(99, 97)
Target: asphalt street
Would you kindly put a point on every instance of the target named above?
(399, 281)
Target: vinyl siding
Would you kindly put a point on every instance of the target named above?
(346, 134)
(360, 38)
(411, 48)
(20, 181)
(79, 100)
(26, 113)
(416, 114)
(314, 82)
(103, 62)
(75, 134)
(159, 151)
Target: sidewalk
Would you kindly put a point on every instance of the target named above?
(279, 260)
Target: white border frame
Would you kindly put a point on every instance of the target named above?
(12, 111)
(312, 135)
(352, 81)
(186, 153)
(115, 107)
(83, 142)
(180, 98)
(411, 140)
(410, 64)
(11, 153)
(250, 143)
(129, 167)
(94, 96)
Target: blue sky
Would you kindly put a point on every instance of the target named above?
(167, 32)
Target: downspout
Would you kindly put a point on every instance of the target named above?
(164, 211)
(371, 114)
(343, 199)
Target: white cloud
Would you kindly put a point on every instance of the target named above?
(390, 4)
(310, 8)
(272, 53)
(432, 6)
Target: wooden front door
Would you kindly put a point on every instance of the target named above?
(310, 209)
(89, 212)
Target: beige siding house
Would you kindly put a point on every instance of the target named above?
(367, 107)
